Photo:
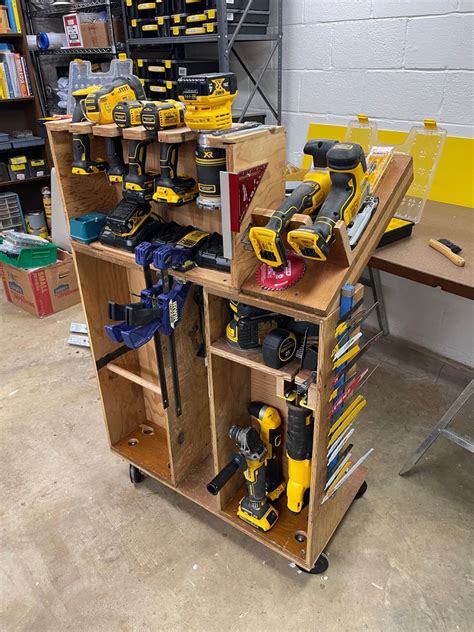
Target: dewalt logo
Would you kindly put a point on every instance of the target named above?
(208, 154)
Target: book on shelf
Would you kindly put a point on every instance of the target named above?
(13, 14)
(16, 81)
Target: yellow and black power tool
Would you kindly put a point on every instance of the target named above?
(100, 102)
(208, 99)
(170, 188)
(349, 189)
(249, 326)
(269, 420)
(257, 459)
(138, 184)
(96, 104)
(299, 448)
(128, 113)
(307, 198)
(82, 163)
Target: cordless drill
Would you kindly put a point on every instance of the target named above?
(137, 184)
(267, 241)
(82, 164)
(256, 458)
(208, 99)
(170, 188)
(96, 104)
(349, 188)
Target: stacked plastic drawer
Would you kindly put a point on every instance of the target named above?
(11, 215)
(169, 18)
(160, 76)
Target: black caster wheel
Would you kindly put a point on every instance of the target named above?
(136, 475)
(362, 490)
(322, 565)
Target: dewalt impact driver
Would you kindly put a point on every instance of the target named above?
(257, 459)
(349, 189)
(208, 99)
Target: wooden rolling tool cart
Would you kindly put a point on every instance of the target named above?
(185, 452)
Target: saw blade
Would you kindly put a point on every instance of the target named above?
(275, 280)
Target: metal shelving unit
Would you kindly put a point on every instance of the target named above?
(226, 48)
(105, 53)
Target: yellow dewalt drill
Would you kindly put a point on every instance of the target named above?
(208, 99)
(267, 241)
(257, 459)
(169, 187)
(96, 104)
(349, 188)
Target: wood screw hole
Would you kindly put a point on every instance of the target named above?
(300, 536)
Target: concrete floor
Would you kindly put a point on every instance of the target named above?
(82, 549)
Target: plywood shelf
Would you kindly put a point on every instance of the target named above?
(253, 359)
(281, 537)
(202, 276)
(149, 452)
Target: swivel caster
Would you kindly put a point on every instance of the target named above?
(362, 490)
(136, 475)
(322, 565)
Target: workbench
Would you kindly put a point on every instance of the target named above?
(413, 259)
(185, 452)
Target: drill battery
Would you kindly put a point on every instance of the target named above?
(127, 113)
(211, 254)
(160, 115)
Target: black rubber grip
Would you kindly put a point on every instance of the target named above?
(227, 472)
(299, 440)
(318, 149)
(299, 201)
(113, 147)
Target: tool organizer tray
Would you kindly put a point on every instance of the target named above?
(185, 452)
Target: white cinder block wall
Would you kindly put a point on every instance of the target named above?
(399, 61)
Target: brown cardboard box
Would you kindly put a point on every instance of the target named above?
(94, 35)
(42, 291)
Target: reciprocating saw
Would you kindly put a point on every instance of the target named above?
(267, 241)
(349, 188)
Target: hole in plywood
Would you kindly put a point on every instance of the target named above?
(301, 536)
(132, 442)
(146, 430)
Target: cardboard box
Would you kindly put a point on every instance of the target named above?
(42, 291)
(95, 35)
